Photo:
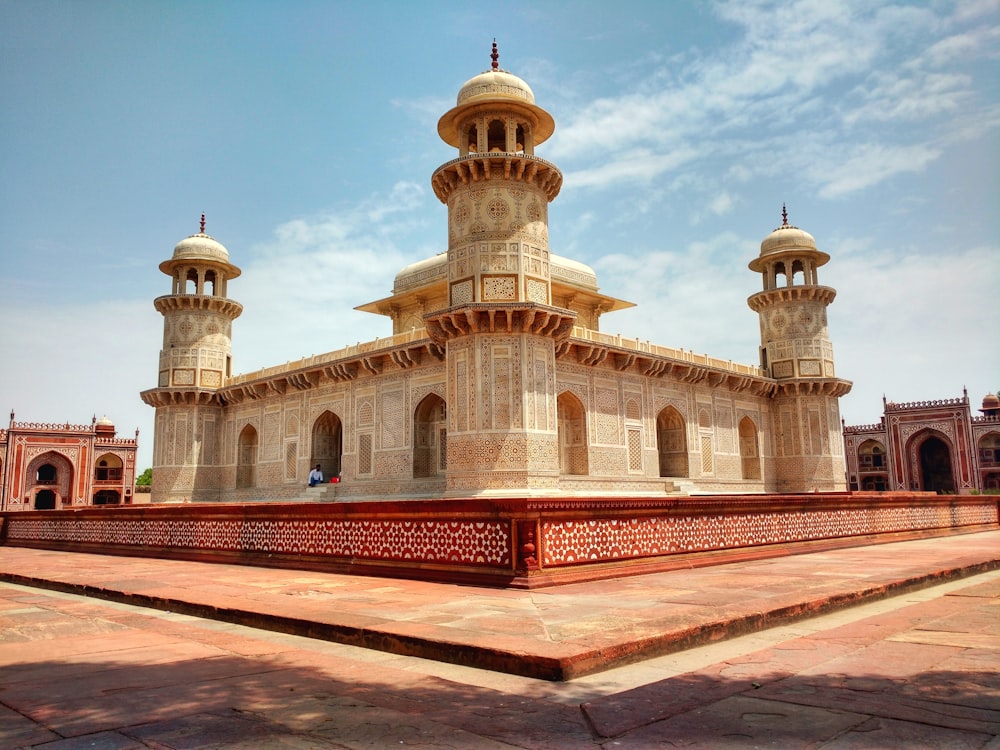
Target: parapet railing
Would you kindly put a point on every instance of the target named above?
(64, 427)
(646, 347)
(891, 406)
(877, 427)
(415, 335)
(354, 350)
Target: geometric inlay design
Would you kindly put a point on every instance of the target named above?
(485, 543)
(499, 288)
(573, 542)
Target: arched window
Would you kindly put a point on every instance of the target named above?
(871, 456)
(327, 444)
(496, 135)
(519, 146)
(798, 273)
(46, 474)
(191, 282)
(246, 458)
(209, 287)
(780, 275)
(430, 437)
(989, 450)
(572, 419)
(749, 449)
(108, 468)
(671, 443)
(472, 139)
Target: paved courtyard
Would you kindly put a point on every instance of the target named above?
(893, 645)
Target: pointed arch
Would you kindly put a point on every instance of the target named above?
(327, 444)
(52, 474)
(430, 437)
(246, 458)
(931, 453)
(572, 420)
(749, 449)
(671, 443)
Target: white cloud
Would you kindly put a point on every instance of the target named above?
(921, 323)
(870, 164)
(806, 81)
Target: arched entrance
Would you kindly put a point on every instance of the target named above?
(935, 466)
(671, 443)
(246, 458)
(430, 437)
(327, 444)
(45, 500)
(51, 478)
(572, 435)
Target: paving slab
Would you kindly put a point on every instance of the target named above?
(853, 678)
(557, 633)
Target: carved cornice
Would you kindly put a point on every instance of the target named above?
(500, 166)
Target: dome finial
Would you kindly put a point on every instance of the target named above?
(784, 216)
(202, 230)
(495, 55)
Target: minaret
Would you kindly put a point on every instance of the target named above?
(796, 352)
(195, 361)
(500, 327)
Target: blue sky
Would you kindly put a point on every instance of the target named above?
(306, 131)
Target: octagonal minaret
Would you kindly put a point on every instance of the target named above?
(195, 361)
(796, 352)
(500, 328)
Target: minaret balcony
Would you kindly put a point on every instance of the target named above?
(498, 165)
(809, 293)
(188, 302)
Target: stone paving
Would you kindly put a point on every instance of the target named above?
(760, 654)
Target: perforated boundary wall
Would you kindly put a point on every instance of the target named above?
(522, 543)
